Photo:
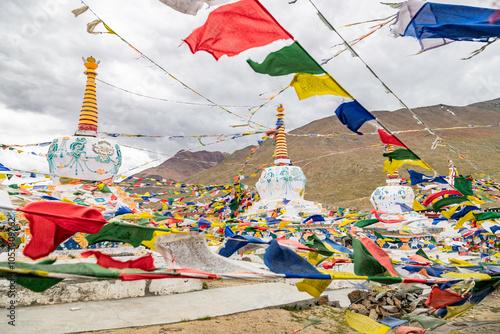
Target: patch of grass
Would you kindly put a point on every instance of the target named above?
(495, 309)
(185, 320)
(294, 308)
(204, 318)
(204, 286)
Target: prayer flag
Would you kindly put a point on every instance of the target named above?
(106, 261)
(307, 85)
(379, 254)
(463, 185)
(390, 139)
(440, 298)
(121, 232)
(282, 260)
(190, 6)
(435, 24)
(314, 287)
(364, 324)
(51, 223)
(314, 242)
(290, 59)
(417, 178)
(234, 28)
(353, 115)
(364, 262)
(401, 157)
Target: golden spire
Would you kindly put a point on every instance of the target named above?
(281, 150)
(87, 125)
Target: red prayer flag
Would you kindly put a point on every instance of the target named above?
(432, 197)
(440, 298)
(106, 261)
(390, 139)
(51, 223)
(379, 254)
(234, 28)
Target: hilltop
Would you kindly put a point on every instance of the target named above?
(343, 168)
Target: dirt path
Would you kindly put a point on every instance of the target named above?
(290, 320)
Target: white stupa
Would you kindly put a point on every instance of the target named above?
(282, 186)
(84, 156)
(393, 197)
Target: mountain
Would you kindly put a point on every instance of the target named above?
(343, 168)
(183, 164)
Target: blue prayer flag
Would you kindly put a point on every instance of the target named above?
(353, 115)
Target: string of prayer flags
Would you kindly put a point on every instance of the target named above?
(290, 59)
(401, 157)
(191, 7)
(234, 28)
(307, 85)
(353, 115)
(435, 24)
(51, 223)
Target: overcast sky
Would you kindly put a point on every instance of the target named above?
(42, 81)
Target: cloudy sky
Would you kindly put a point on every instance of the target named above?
(42, 81)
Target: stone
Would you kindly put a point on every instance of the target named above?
(354, 296)
(366, 303)
(361, 309)
(390, 308)
(322, 301)
(373, 314)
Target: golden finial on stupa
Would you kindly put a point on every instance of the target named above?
(281, 149)
(87, 124)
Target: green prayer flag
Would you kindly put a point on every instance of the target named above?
(380, 236)
(364, 263)
(314, 242)
(386, 280)
(366, 222)
(290, 59)
(105, 189)
(121, 232)
(38, 283)
(447, 201)
(463, 185)
(486, 215)
(426, 322)
(401, 154)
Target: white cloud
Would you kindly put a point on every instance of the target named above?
(42, 80)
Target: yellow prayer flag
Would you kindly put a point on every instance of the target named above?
(417, 206)
(455, 311)
(479, 276)
(283, 224)
(151, 243)
(390, 167)
(448, 213)
(307, 85)
(314, 287)
(469, 216)
(364, 324)
(314, 258)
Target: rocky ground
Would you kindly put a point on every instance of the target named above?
(291, 320)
